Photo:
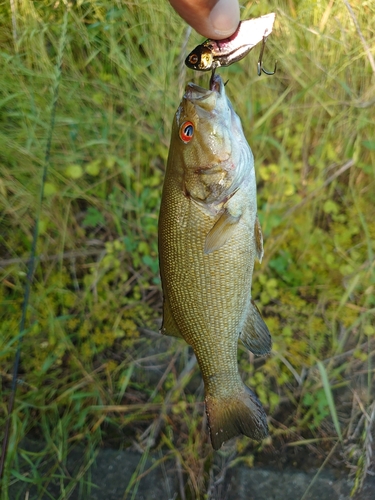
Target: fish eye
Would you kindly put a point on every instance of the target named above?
(193, 59)
(186, 132)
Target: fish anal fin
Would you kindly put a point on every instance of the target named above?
(169, 326)
(241, 413)
(221, 231)
(258, 239)
(255, 335)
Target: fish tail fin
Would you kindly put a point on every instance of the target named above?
(241, 413)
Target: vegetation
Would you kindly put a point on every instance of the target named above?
(94, 371)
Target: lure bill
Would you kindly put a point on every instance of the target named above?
(213, 54)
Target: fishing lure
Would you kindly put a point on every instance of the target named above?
(213, 54)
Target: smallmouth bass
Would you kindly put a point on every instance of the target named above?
(209, 237)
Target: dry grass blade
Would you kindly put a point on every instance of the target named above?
(151, 433)
(366, 453)
(364, 43)
(304, 496)
(368, 443)
(74, 254)
(14, 20)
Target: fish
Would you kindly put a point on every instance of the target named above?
(213, 54)
(209, 236)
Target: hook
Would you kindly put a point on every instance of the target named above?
(212, 78)
(260, 61)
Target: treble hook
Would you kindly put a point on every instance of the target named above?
(260, 61)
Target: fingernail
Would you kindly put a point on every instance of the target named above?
(225, 17)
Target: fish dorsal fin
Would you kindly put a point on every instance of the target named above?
(221, 231)
(258, 239)
(169, 326)
(255, 335)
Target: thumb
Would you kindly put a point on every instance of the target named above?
(215, 19)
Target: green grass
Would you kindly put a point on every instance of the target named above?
(93, 372)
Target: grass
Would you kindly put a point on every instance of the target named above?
(94, 371)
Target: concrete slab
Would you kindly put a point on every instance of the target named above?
(112, 471)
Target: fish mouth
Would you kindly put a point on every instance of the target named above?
(216, 83)
(205, 98)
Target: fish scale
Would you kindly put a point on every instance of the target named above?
(202, 284)
(207, 251)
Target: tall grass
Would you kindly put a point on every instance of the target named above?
(92, 369)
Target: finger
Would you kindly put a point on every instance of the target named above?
(215, 19)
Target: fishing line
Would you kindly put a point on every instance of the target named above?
(31, 261)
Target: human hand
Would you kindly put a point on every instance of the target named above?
(216, 19)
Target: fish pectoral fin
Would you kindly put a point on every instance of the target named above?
(168, 326)
(258, 239)
(221, 231)
(255, 335)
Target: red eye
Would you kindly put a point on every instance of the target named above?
(186, 132)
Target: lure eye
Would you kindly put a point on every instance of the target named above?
(193, 59)
(186, 132)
